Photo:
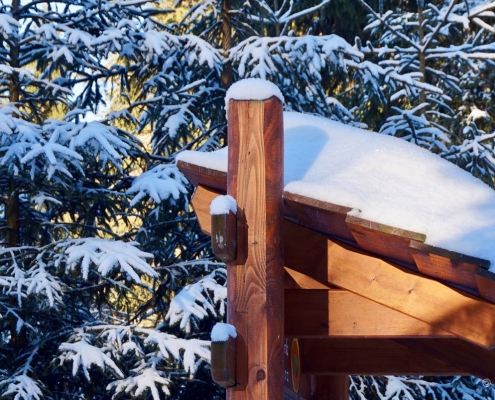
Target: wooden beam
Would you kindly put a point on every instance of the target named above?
(302, 281)
(224, 236)
(370, 357)
(420, 297)
(201, 200)
(334, 387)
(383, 239)
(255, 280)
(447, 265)
(223, 362)
(458, 353)
(320, 215)
(198, 175)
(339, 313)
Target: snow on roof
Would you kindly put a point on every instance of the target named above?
(391, 181)
(253, 89)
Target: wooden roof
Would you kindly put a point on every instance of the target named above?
(402, 246)
(360, 297)
(460, 281)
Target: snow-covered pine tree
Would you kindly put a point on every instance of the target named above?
(447, 44)
(84, 242)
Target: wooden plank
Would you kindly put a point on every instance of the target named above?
(470, 358)
(485, 281)
(370, 357)
(446, 265)
(224, 236)
(201, 200)
(302, 281)
(384, 240)
(334, 313)
(395, 287)
(198, 175)
(223, 362)
(256, 277)
(319, 215)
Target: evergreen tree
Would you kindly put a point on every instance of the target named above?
(86, 242)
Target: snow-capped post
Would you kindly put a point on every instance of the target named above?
(256, 277)
(223, 211)
(223, 354)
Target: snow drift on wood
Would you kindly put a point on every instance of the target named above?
(390, 180)
(222, 205)
(253, 89)
(221, 332)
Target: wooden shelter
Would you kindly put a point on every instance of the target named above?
(316, 294)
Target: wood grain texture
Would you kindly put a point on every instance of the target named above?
(198, 175)
(371, 357)
(462, 355)
(302, 281)
(384, 240)
(338, 313)
(223, 362)
(446, 265)
(421, 297)
(224, 236)
(201, 200)
(319, 215)
(485, 281)
(256, 277)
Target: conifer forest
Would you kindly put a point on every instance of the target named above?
(108, 288)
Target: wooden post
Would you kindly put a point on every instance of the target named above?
(256, 277)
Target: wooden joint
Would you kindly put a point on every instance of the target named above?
(224, 236)
(223, 362)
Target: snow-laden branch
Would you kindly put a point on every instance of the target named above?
(107, 255)
(163, 182)
(194, 302)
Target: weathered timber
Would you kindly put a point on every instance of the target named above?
(338, 313)
(420, 297)
(319, 215)
(201, 200)
(384, 240)
(223, 362)
(485, 281)
(224, 236)
(256, 277)
(446, 265)
(198, 175)
(371, 357)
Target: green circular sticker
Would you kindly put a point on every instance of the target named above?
(295, 365)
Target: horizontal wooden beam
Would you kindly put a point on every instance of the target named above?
(369, 357)
(339, 313)
(456, 352)
(296, 280)
(383, 282)
(198, 175)
(201, 200)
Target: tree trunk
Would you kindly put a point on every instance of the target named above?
(226, 44)
(422, 55)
